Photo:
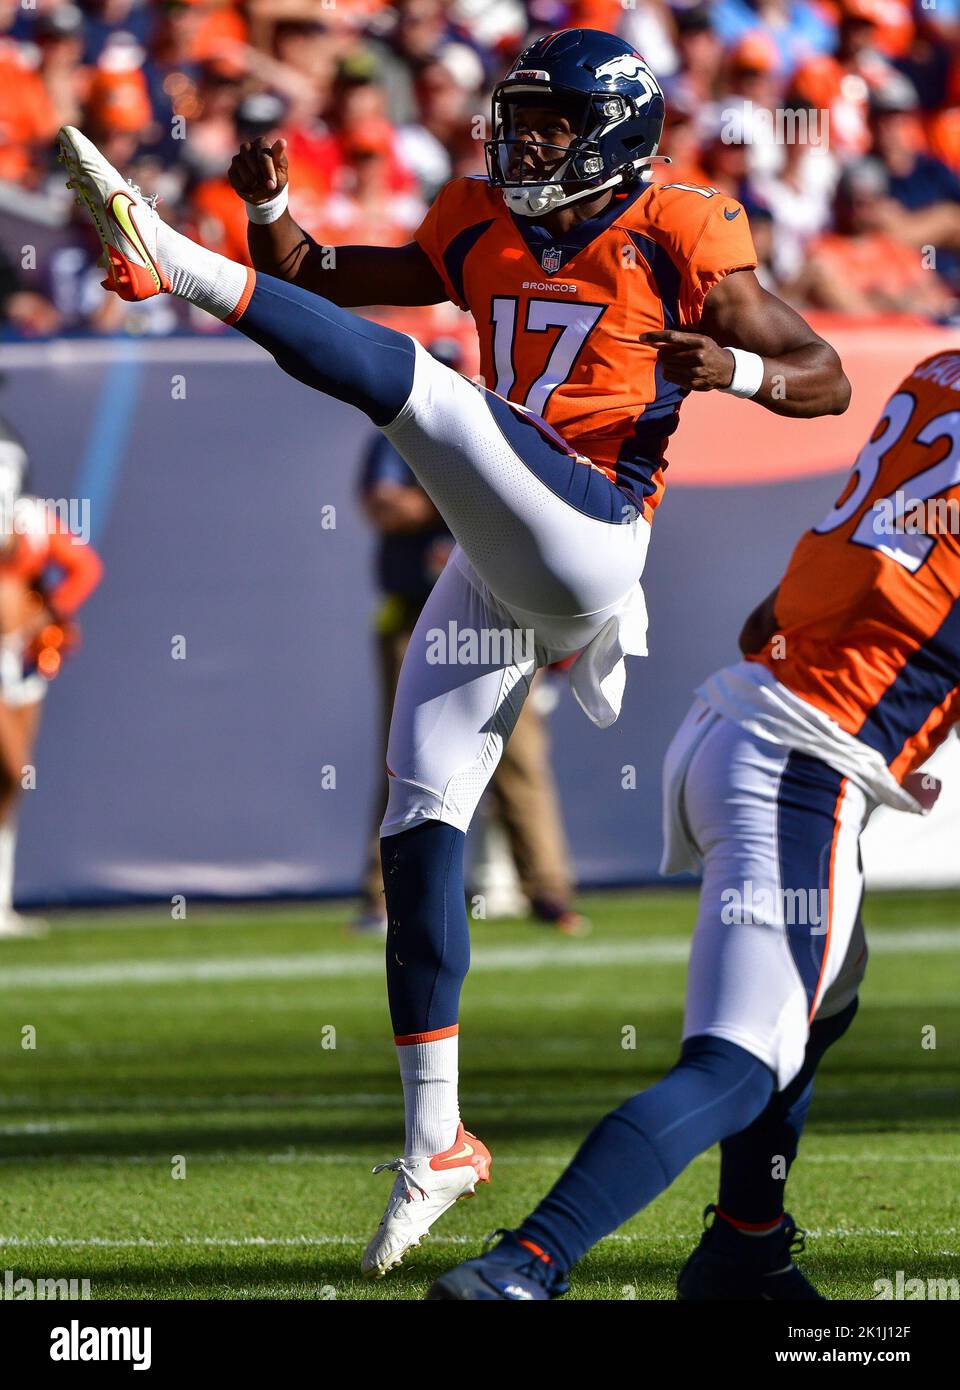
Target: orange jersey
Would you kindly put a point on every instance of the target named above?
(559, 319)
(869, 608)
(44, 545)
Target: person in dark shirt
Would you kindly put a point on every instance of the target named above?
(924, 193)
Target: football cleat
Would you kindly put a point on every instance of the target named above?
(728, 1264)
(125, 220)
(423, 1190)
(515, 1271)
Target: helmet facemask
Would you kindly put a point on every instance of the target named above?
(571, 172)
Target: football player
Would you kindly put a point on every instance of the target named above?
(600, 301)
(851, 679)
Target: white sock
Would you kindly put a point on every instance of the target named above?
(429, 1072)
(8, 850)
(201, 276)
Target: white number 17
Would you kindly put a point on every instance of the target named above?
(577, 321)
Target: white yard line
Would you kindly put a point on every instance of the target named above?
(360, 1160)
(338, 965)
(303, 1241)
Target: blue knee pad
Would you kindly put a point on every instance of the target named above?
(428, 939)
(330, 349)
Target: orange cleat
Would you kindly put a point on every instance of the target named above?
(125, 220)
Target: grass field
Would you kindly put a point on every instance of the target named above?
(208, 1041)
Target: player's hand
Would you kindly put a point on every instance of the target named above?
(258, 171)
(691, 360)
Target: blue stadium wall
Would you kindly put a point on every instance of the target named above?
(208, 473)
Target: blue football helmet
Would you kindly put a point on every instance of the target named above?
(610, 96)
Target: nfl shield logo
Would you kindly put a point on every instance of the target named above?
(550, 260)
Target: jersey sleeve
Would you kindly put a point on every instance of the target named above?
(724, 244)
(434, 236)
(449, 231)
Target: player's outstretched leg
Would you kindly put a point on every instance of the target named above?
(313, 340)
(629, 1159)
(553, 538)
(747, 1251)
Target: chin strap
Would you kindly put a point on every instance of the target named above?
(536, 199)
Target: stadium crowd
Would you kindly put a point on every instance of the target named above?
(835, 122)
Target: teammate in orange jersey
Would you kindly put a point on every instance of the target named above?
(851, 679)
(600, 301)
(36, 632)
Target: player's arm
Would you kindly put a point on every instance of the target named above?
(80, 568)
(347, 275)
(801, 373)
(760, 626)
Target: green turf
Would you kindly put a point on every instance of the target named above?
(205, 1040)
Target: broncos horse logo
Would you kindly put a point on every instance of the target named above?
(631, 67)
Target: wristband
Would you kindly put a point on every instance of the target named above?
(747, 373)
(265, 213)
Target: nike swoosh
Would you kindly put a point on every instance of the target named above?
(465, 1152)
(120, 212)
(731, 215)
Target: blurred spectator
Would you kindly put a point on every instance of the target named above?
(59, 34)
(28, 117)
(442, 133)
(381, 103)
(754, 91)
(798, 195)
(700, 52)
(860, 268)
(365, 208)
(797, 29)
(917, 182)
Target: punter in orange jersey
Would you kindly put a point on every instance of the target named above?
(600, 301)
(46, 575)
(851, 679)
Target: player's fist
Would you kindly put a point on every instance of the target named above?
(691, 360)
(258, 170)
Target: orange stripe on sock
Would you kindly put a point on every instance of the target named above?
(244, 299)
(540, 1254)
(749, 1225)
(408, 1039)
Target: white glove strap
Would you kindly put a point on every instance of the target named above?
(747, 373)
(265, 213)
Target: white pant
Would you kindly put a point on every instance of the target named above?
(778, 939)
(17, 687)
(534, 577)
